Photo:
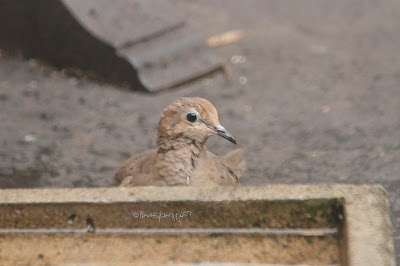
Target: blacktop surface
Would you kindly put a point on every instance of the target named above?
(314, 97)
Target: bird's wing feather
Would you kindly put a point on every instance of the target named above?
(136, 170)
(228, 169)
(234, 160)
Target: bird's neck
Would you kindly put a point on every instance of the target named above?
(177, 158)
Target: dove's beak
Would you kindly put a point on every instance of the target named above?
(221, 131)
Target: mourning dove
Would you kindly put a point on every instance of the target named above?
(181, 157)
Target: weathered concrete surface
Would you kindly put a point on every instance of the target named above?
(124, 23)
(178, 61)
(226, 214)
(367, 229)
(159, 249)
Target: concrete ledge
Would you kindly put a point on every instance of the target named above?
(314, 224)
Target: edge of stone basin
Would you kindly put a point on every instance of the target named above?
(367, 223)
(133, 194)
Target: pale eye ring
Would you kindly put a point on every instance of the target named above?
(192, 117)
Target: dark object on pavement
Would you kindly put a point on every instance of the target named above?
(139, 43)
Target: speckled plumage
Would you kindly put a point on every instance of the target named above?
(181, 157)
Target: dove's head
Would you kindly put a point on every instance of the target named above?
(193, 119)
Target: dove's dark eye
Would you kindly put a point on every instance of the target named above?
(192, 117)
